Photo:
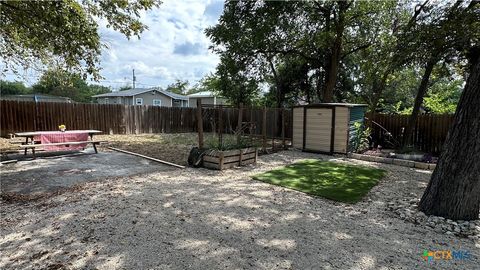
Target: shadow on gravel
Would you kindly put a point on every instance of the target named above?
(198, 219)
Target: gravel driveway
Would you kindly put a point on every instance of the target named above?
(202, 219)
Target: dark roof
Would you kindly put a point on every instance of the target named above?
(138, 91)
(33, 96)
(333, 105)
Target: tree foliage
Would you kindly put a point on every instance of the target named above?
(178, 87)
(13, 88)
(372, 52)
(59, 82)
(318, 34)
(64, 33)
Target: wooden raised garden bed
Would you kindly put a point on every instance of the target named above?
(219, 160)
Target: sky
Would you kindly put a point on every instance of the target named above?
(174, 47)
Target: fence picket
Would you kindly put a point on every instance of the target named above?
(16, 116)
(429, 133)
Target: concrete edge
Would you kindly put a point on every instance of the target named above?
(394, 161)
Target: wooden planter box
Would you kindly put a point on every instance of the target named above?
(220, 160)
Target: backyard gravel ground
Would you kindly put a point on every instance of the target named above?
(202, 219)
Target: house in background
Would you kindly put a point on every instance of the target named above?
(143, 96)
(37, 98)
(207, 97)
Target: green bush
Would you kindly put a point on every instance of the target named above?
(360, 139)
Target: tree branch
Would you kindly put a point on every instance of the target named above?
(418, 10)
(356, 50)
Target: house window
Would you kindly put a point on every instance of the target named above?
(176, 103)
(106, 100)
(139, 101)
(157, 102)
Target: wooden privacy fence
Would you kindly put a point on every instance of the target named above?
(21, 116)
(428, 135)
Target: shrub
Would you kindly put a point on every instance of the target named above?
(360, 140)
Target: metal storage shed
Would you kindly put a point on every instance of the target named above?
(326, 127)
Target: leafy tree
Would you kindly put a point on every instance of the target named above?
(64, 33)
(230, 82)
(321, 33)
(13, 88)
(208, 83)
(375, 67)
(124, 88)
(443, 97)
(290, 83)
(364, 49)
(59, 82)
(400, 90)
(439, 37)
(178, 87)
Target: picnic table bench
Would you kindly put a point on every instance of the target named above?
(58, 140)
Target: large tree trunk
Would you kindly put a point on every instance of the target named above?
(377, 90)
(279, 93)
(331, 74)
(454, 189)
(333, 61)
(422, 90)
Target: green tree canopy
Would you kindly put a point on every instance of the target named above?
(64, 33)
(58, 82)
(13, 88)
(178, 87)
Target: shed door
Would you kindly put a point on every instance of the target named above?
(341, 130)
(318, 135)
(297, 139)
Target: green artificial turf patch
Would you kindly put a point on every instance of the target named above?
(332, 180)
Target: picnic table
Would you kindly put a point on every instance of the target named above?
(58, 140)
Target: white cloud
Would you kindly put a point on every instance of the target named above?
(174, 47)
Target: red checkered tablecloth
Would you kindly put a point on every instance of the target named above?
(62, 137)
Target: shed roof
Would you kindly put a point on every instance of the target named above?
(332, 104)
(138, 91)
(202, 94)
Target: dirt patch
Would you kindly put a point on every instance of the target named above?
(169, 147)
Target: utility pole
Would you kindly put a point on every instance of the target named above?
(133, 77)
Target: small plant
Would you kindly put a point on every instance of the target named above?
(360, 140)
(229, 142)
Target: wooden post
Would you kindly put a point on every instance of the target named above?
(241, 157)
(239, 123)
(220, 126)
(35, 118)
(250, 125)
(264, 129)
(221, 160)
(274, 128)
(199, 123)
(283, 129)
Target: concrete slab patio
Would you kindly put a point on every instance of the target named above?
(52, 173)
